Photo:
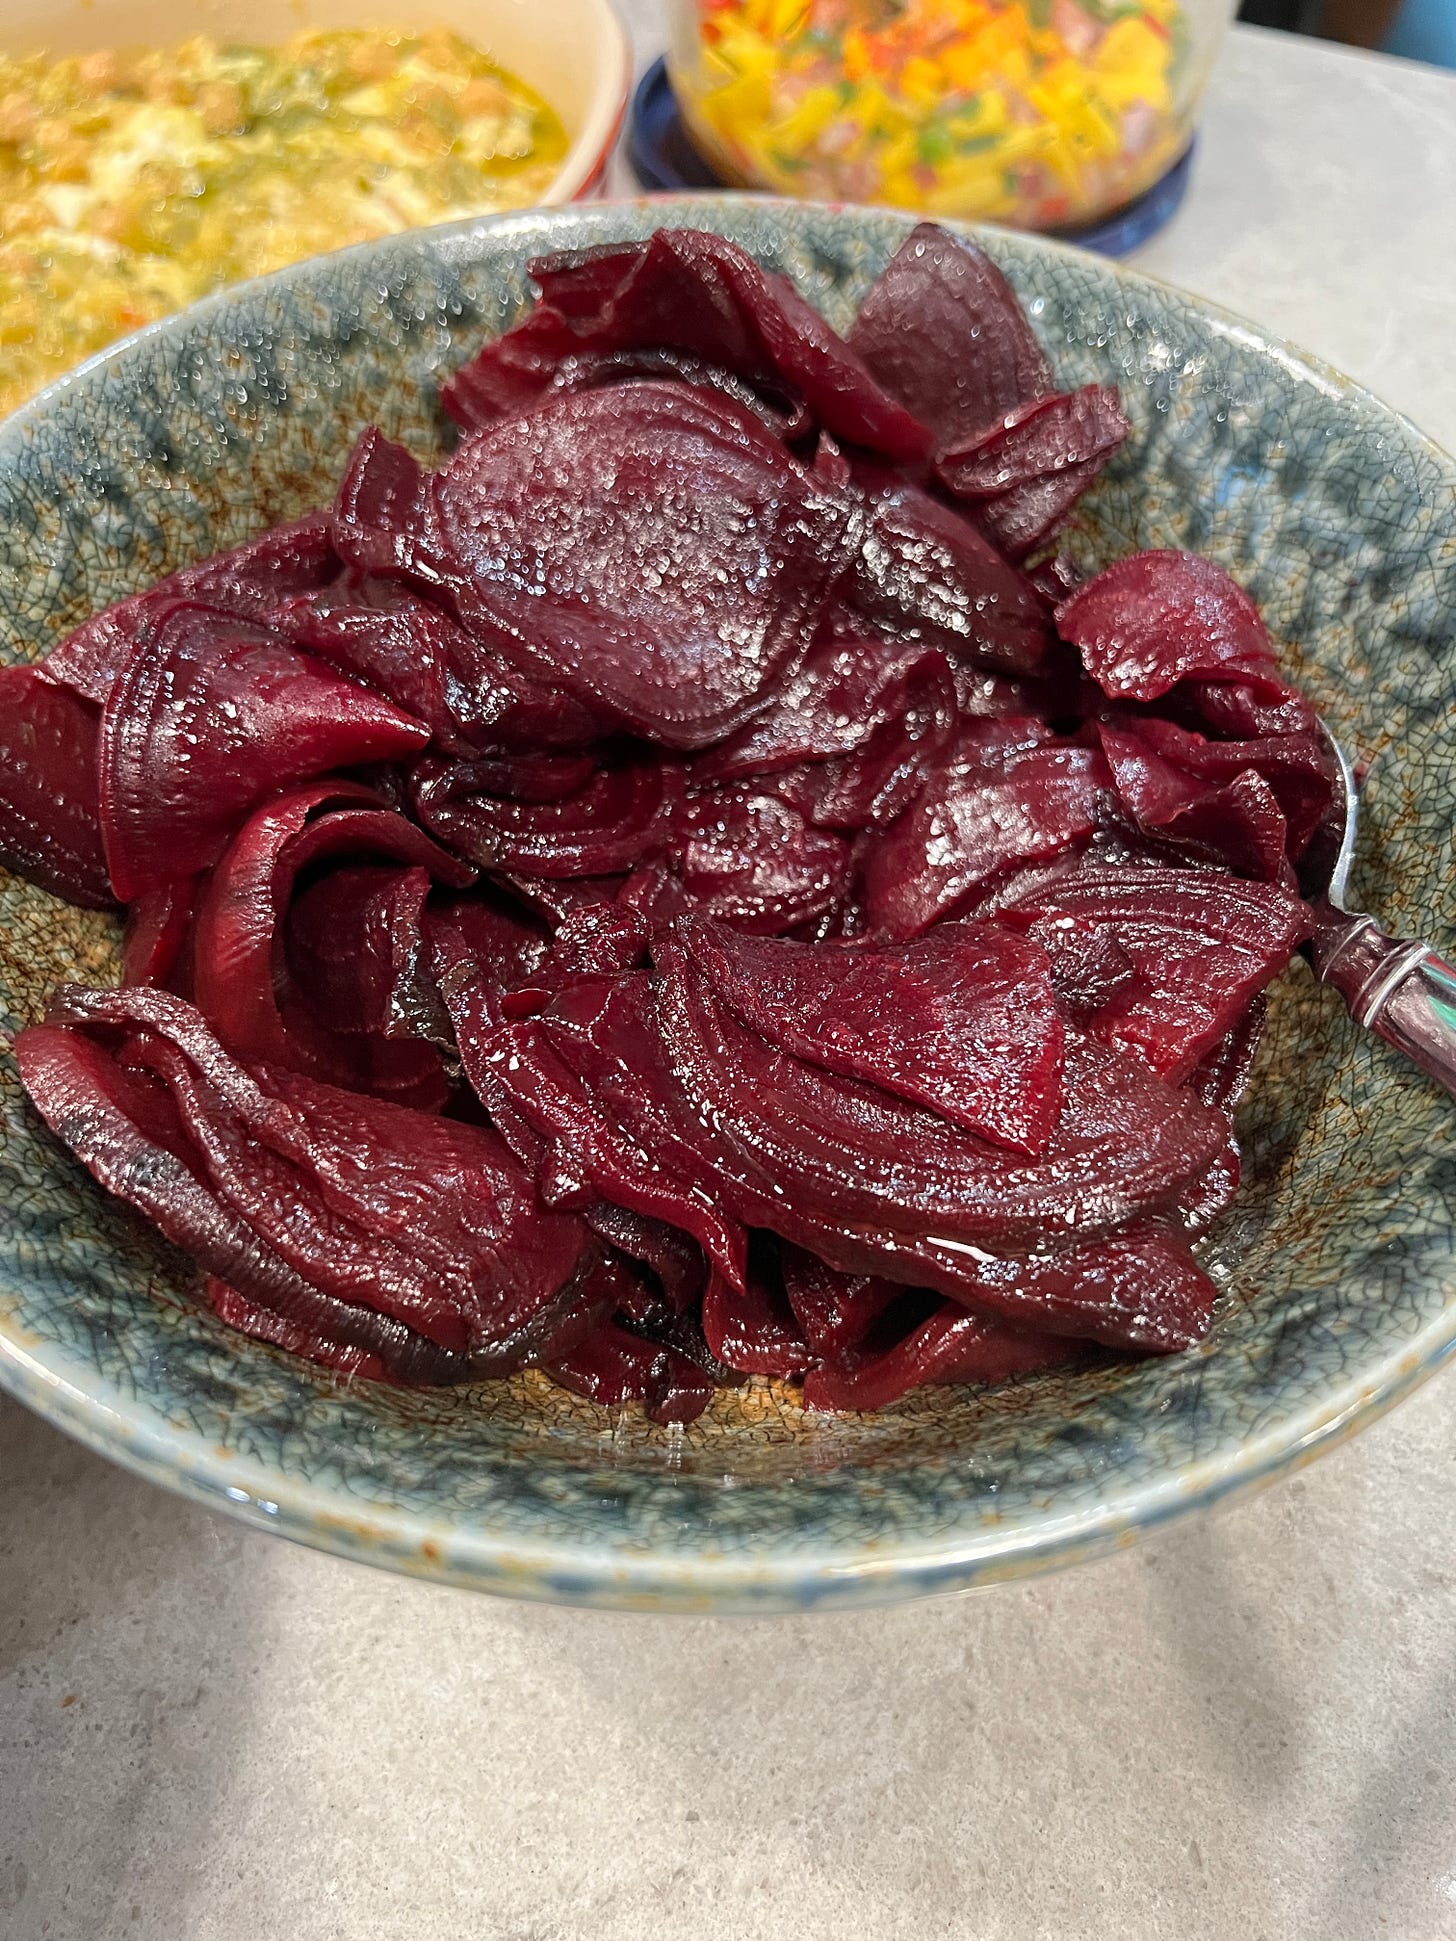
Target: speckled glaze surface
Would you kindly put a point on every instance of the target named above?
(1339, 1259)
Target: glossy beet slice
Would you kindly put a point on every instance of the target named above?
(947, 1346)
(1154, 619)
(50, 828)
(1296, 767)
(942, 330)
(846, 691)
(650, 549)
(1237, 825)
(126, 1131)
(1200, 945)
(925, 573)
(156, 948)
(690, 291)
(740, 854)
(847, 1153)
(585, 1093)
(613, 1365)
(542, 356)
(1025, 472)
(963, 1020)
(428, 1221)
(753, 1329)
(507, 816)
(245, 980)
(210, 715)
(1012, 796)
(248, 581)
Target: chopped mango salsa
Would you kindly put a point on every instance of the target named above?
(133, 183)
(1039, 112)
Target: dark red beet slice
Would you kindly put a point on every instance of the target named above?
(1239, 825)
(925, 573)
(427, 1221)
(542, 356)
(612, 1366)
(1154, 619)
(753, 1330)
(835, 1312)
(158, 927)
(1025, 472)
(1007, 798)
(942, 330)
(948, 1346)
(847, 1153)
(50, 830)
(963, 1020)
(740, 854)
(248, 581)
(125, 1129)
(507, 816)
(210, 715)
(588, 1084)
(242, 980)
(689, 291)
(844, 695)
(1299, 773)
(312, 1343)
(650, 549)
(1200, 945)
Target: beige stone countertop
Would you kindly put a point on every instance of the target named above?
(1245, 1730)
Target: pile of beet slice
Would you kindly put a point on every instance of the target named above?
(693, 888)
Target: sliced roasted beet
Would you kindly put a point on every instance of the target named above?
(1296, 767)
(689, 291)
(1237, 824)
(844, 695)
(426, 1221)
(314, 1343)
(963, 1020)
(155, 949)
(350, 1027)
(948, 1345)
(651, 550)
(1025, 472)
(248, 581)
(925, 573)
(209, 715)
(1154, 619)
(741, 854)
(612, 1366)
(835, 1312)
(486, 948)
(383, 520)
(124, 1127)
(543, 356)
(753, 1330)
(517, 816)
(846, 1153)
(50, 827)
(1003, 800)
(942, 330)
(588, 1081)
(1200, 945)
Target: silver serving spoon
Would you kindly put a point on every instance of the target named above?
(1399, 989)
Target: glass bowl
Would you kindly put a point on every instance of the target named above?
(1040, 114)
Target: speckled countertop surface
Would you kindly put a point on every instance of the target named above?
(1245, 1730)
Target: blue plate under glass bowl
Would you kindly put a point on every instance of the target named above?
(1338, 1261)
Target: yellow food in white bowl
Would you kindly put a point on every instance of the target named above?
(136, 178)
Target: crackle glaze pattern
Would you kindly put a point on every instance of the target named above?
(1339, 1260)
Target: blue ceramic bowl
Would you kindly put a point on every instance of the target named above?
(1339, 1260)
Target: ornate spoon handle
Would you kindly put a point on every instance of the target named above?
(1400, 990)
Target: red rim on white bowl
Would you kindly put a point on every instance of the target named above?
(574, 53)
